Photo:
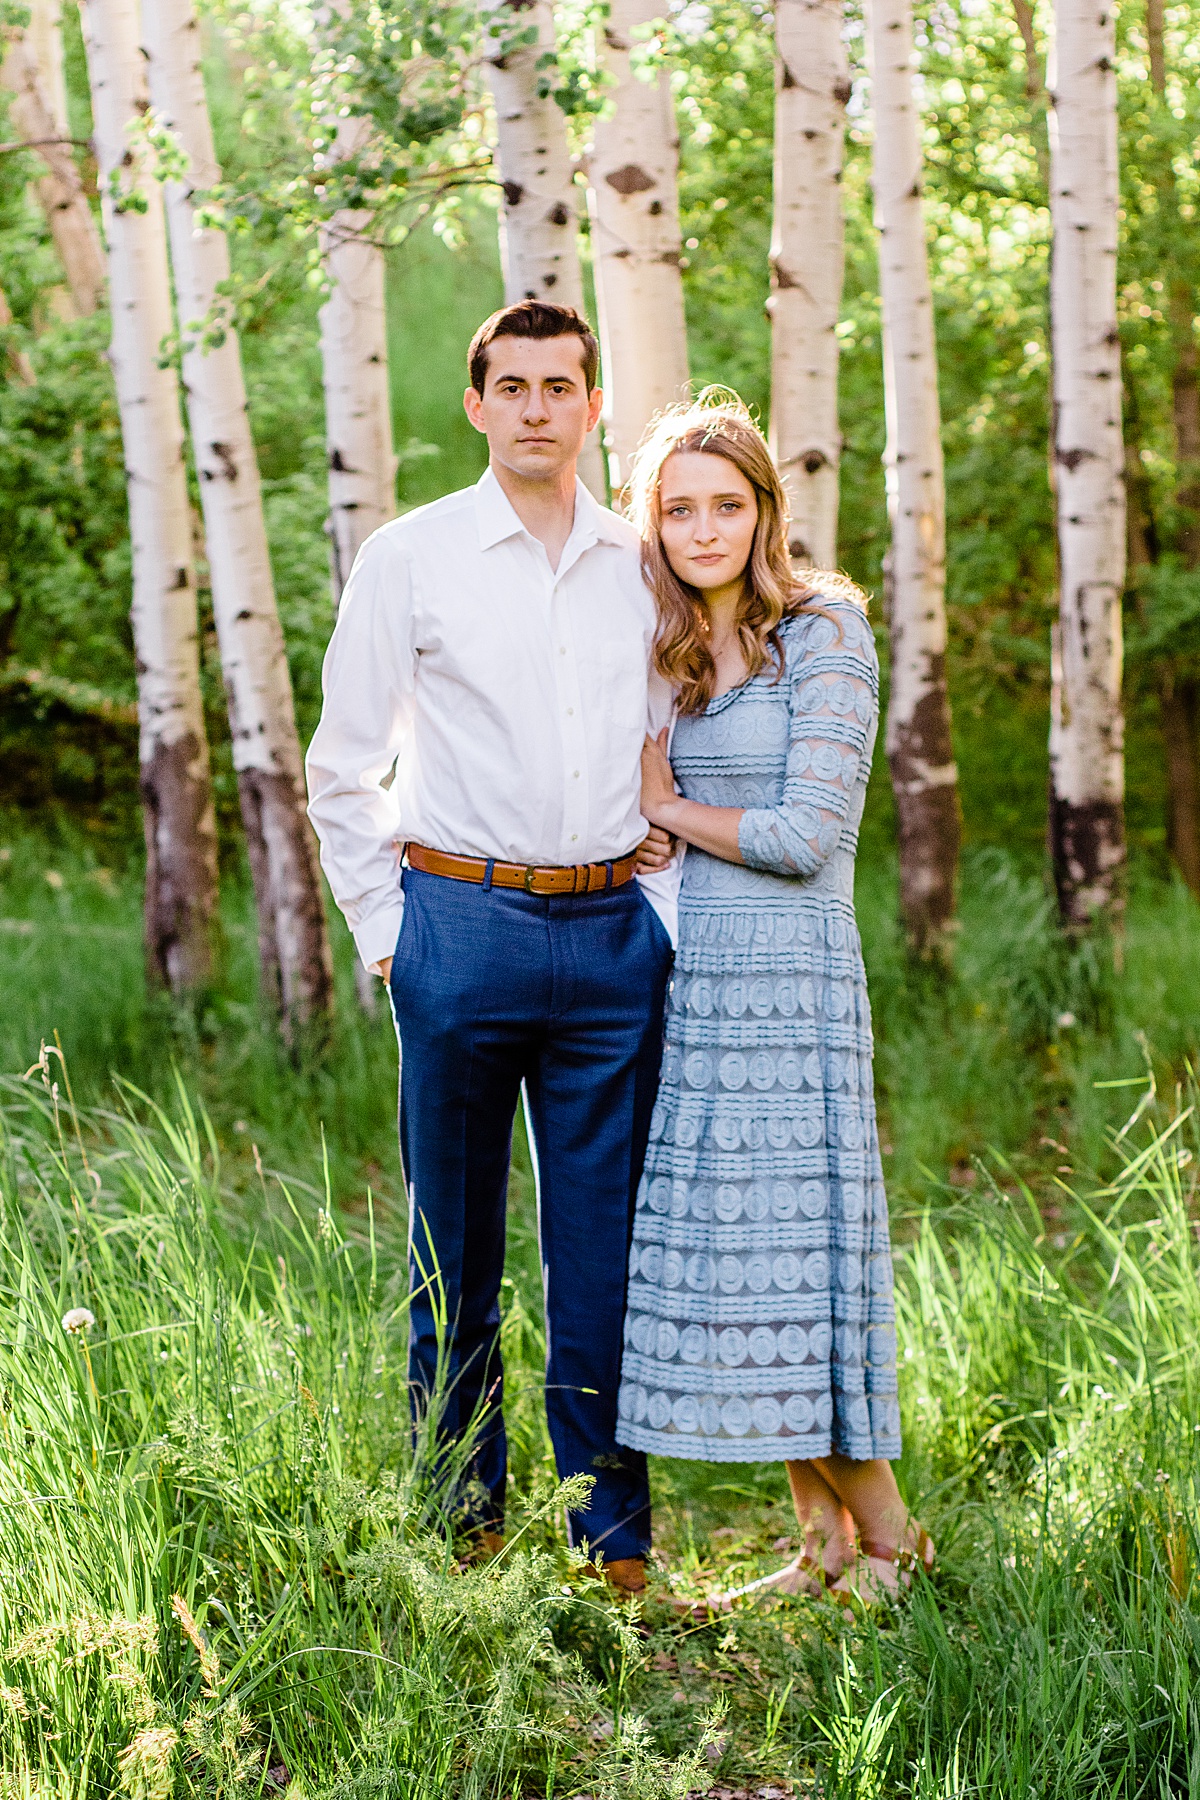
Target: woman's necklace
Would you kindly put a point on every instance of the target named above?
(721, 650)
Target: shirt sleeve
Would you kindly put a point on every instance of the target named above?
(366, 722)
(662, 888)
(833, 702)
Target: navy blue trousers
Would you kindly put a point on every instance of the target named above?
(492, 988)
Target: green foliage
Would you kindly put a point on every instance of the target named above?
(400, 66)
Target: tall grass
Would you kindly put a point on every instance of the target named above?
(226, 1569)
(1003, 1056)
(1054, 1410)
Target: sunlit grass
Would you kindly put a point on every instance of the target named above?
(222, 1561)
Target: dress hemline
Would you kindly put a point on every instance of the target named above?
(695, 1448)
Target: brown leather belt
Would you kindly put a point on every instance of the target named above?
(578, 878)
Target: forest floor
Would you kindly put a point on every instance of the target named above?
(225, 1570)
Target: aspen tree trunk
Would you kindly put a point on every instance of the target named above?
(812, 86)
(43, 35)
(1035, 85)
(919, 748)
(354, 361)
(358, 405)
(358, 410)
(1087, 769)
(540, 200)
(32, 73)
(633, 171)
(293, 942)
(181, 839)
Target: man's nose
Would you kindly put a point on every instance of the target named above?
(536, 411)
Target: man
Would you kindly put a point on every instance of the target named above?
(494, 647)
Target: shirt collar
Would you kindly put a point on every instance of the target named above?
(497, 519)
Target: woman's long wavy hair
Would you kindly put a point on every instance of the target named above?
(720, 425)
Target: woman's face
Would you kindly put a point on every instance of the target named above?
(709, 511)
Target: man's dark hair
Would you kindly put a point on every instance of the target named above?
(532, 319)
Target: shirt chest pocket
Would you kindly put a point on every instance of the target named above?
(613, 681)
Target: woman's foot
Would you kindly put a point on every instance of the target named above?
(882, 1568)
(804, 1575)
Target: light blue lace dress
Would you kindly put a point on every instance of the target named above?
(760, 1322)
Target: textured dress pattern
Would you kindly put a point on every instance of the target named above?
(760, 1322)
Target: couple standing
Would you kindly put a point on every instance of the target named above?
(499, 693)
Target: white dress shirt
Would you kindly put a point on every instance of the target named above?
(510, 699)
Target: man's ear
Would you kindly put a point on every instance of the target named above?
(473, 407)
(595, 406)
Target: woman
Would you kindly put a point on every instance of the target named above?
(760, 1321)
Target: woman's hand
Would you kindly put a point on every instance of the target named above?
(711, 828)
(655, 851)
(659, 798)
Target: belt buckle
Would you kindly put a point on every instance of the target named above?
(530, 873)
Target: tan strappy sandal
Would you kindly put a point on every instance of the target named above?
(716, 1604)
(905, 1559)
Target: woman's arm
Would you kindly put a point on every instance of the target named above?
(833, 699)
(711, 828)
(833, 695)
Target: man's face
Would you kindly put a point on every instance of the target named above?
(535, 410)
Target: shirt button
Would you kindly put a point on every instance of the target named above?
(570, 712)
(574, 837)
(562, 649)
(575, 776)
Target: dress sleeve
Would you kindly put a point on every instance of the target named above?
(833, 699)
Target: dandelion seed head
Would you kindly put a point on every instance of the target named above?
(78, 1319)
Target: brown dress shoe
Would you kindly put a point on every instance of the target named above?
(482, 1546)
(626, 1576)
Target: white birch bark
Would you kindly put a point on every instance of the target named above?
(919, 748)
(293, 942)
(32, 73)
(354, 361)
(181, 842)
(1087, 765)
(812, 86)
(540, 199)
(634, 199)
